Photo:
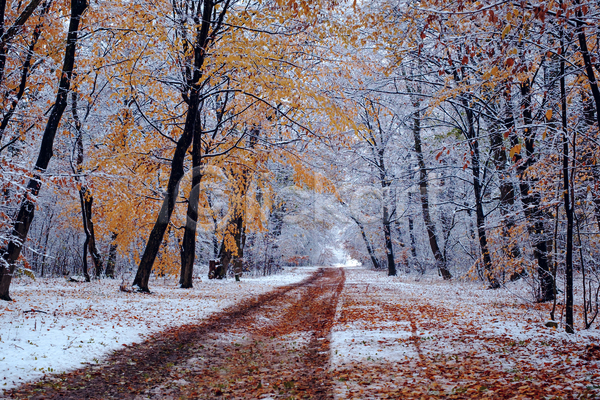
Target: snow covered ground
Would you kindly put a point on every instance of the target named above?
(393, 337)
(83, 322)
(405, 339)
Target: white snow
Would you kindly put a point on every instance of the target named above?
(84, 322)
(380, 320)
(490, 313)
(392, 323)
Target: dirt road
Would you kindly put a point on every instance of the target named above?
(274, 346)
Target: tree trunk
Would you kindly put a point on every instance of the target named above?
(6, 35)
(531, 200)
(587, 61)
(21, 226)
(84, 260)
(177, 171)
(215, 239)
(389, 249)
(569, 204)
(25, 70)
(507, 190)
(367, 243)
(377, 147)
(236, 227)
(276, 218)
(473, 139)
(387, 232)
(424, 196)
(86, 200)
(589, 109)
(411, 233)
(111, 263)
(46, 238)
(236, 230)
(447, 217)
(188, 248)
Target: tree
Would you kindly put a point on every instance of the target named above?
(10, 253)
(85, 197)
(205, 33)
(424, 192)
(376, 137)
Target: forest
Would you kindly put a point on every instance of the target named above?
(446, 140)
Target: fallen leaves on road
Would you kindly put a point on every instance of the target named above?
(396, 339)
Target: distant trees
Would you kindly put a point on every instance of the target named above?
(516, 81)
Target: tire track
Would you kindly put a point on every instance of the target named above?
(276, 345)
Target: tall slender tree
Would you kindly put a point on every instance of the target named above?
(10, 253)
(207, 29)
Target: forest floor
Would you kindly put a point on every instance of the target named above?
(402, 339)
(349, 333)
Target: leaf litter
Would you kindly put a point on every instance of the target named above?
(349, 333)
(85, 322)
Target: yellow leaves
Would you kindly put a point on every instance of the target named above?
(506, 30)
(549, 115)
(490, 74)
(515, 150)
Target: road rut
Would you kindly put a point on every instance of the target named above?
(274, 346)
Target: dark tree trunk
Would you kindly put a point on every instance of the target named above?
(367, 243)
(236, 228)
(25, 70)
(177, 171)
(588, 156)
(111, 263)
(277, 223)
(6, 35)
(507, 190)
(473, 139)
(387, 232)
(389, 249)
(84, 260)
(377, 147)
(188, 248)
(413, 246)
(531, 200)
(587, 60)
(86, 200)
(447, 218)
(569, 204)
(215, 240)
(162, 222)
(424, 196)
(21, 226)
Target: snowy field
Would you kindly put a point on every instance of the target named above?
(405, 339)
(83, 322)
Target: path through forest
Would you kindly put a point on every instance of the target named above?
(350, 333)
(273, 346)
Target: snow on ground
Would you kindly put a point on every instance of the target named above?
(83, 322)
(399, 337)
